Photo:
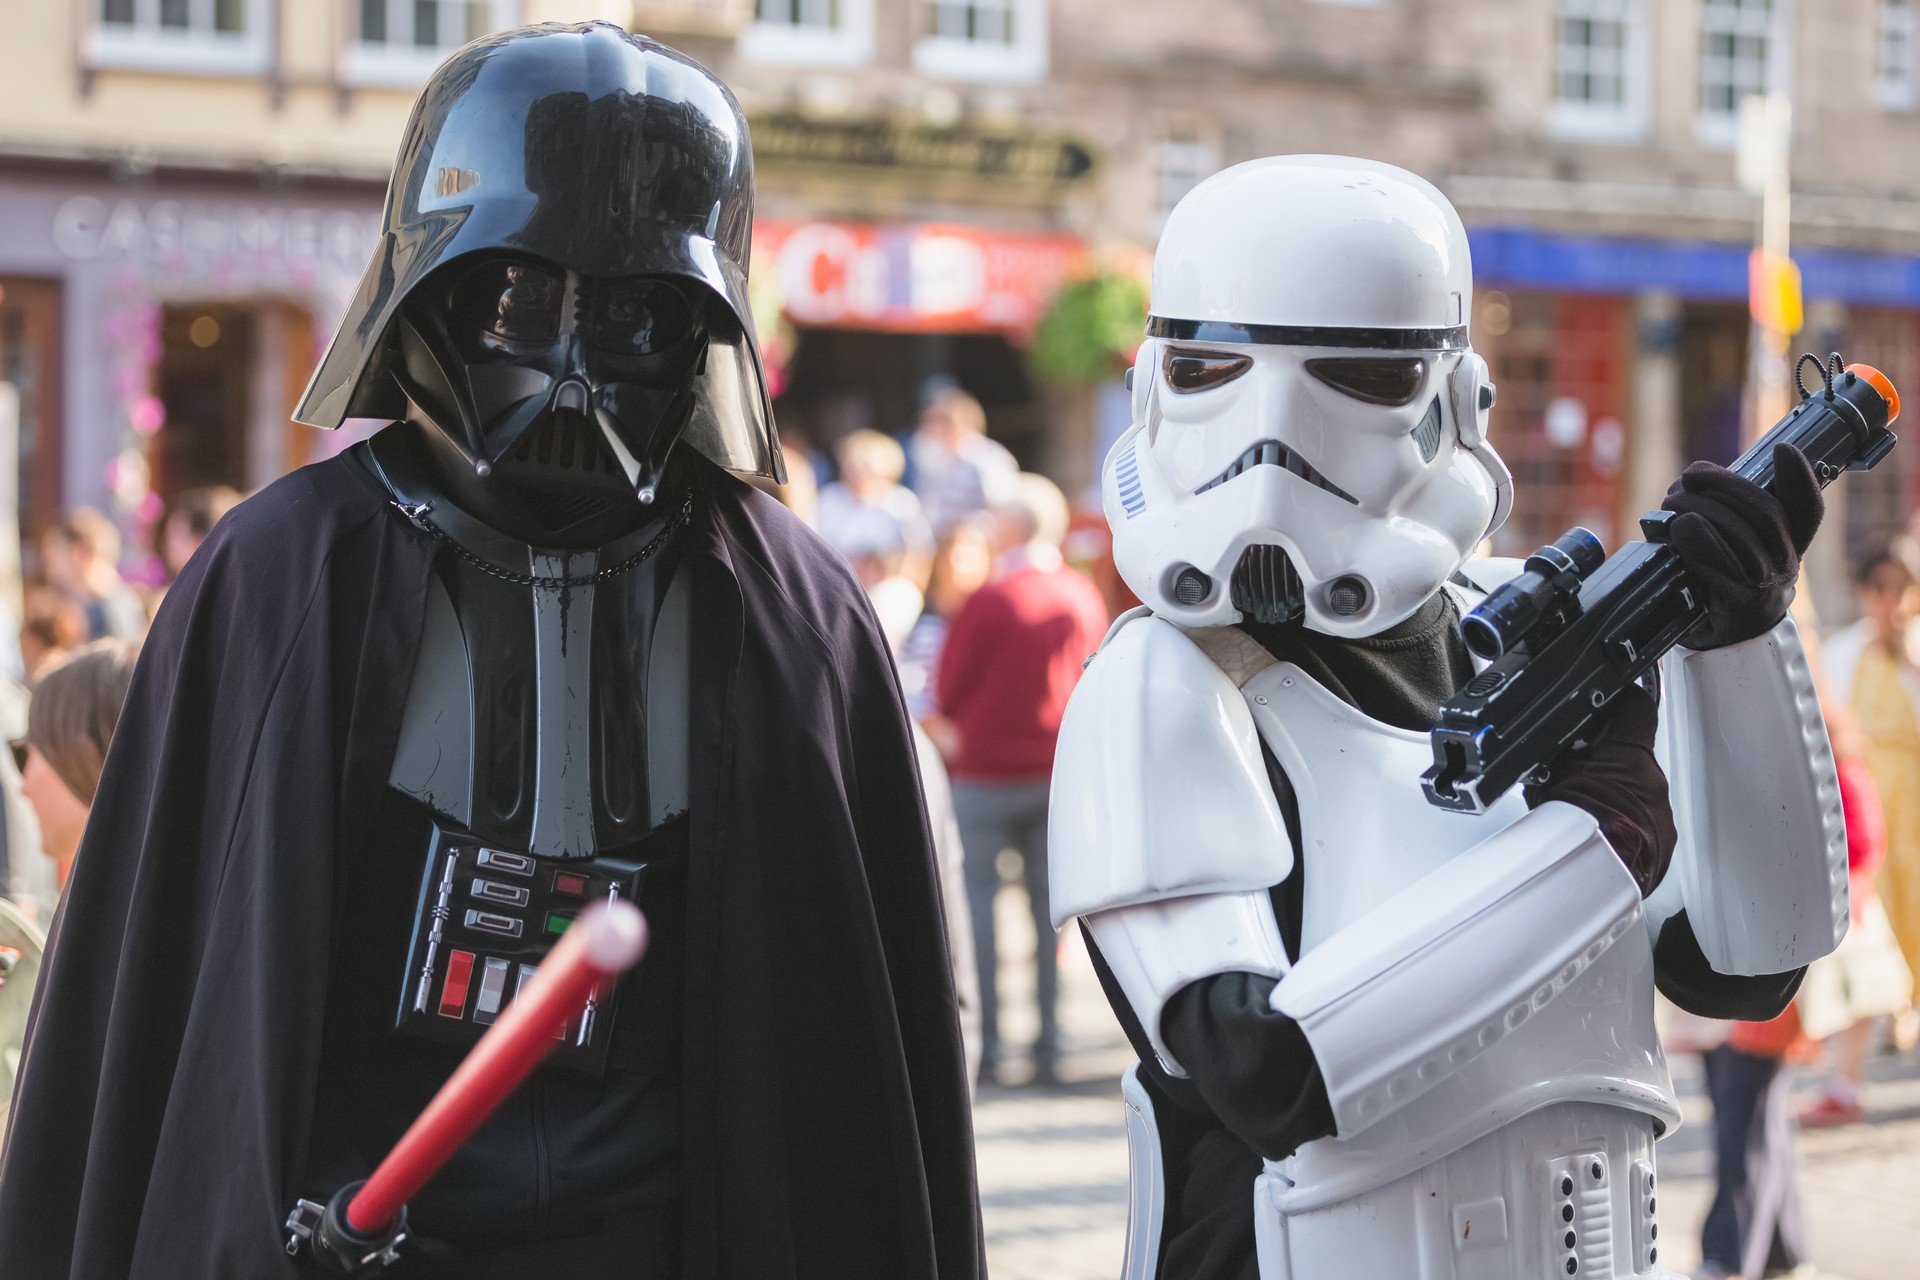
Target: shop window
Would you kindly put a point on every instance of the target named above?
(1185, 162)
(400, 42)
(810, 33)
(1600, 69)
(1741, 53)
(1561, 423)
(984, 40)
(209, 37)
(1893, 63)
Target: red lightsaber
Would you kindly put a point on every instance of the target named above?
(356, 1233)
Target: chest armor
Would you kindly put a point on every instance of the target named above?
(1476, 1178)
(545, 731)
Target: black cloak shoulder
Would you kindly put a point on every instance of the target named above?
(164, 1099)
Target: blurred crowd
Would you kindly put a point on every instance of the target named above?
(962, 555)
(85, 603)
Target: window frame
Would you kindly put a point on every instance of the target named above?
(1605, 122)
(394, 65)
(145, 45)
(847, 42)
(1197, 145)
(1902, 94)
(1021, 61)
(1721, 129)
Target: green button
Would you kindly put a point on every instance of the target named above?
(557, 922)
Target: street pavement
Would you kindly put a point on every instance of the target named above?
(1053, 1161)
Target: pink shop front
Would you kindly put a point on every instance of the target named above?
(155, 331)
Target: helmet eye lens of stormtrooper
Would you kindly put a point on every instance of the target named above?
(1188, 371)
(637, 317)
(1392, 381)
(505, 306)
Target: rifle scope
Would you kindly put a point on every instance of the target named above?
(1548, 588)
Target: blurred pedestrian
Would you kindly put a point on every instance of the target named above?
(69, 726)
(189, 518)
(1754, 1226)
(80, 557)
(51, 627)
(1845, 995)
(957, 470)
(868, 509)
(961, 566)
(1871, 667)
(1012, 657)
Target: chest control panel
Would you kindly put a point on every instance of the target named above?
(485, 920)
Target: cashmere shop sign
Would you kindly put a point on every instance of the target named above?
(922, 278)
(170, 232)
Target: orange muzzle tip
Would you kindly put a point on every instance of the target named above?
(1883, 384)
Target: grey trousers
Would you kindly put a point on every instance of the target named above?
(1008, 815)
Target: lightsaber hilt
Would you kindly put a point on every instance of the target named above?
(358, 1231)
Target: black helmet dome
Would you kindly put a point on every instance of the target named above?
(595, 150)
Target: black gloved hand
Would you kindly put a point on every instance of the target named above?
(1742, 544)
(1616, 779)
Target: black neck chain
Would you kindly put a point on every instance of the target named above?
(417, 513)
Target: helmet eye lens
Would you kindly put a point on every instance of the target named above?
(512, 302)
(1393, 381)
(638, 317)
(1202, 370)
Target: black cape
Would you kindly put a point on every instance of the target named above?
(163, 1107)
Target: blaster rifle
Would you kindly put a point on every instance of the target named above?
(1577, 626)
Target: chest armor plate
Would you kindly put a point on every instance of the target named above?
(545, 730)
(1366, 831)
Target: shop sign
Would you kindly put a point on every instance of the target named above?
(87, 227)
(912, 148)
(924, 278)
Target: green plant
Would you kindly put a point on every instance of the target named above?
(1091, 329)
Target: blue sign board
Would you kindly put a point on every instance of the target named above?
(1519, 258)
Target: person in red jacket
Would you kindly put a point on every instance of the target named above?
(1011, 660)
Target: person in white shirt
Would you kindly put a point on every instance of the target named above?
(868, 509)
(957, 469)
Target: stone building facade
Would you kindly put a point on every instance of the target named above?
(930, 170)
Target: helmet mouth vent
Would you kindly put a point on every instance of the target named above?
(1272, 453)
(1265, 586)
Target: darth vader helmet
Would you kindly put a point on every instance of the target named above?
(560, 290)
(1309, 434)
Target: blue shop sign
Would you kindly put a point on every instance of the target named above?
(1518, 258)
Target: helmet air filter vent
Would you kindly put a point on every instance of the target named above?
(1265, 586)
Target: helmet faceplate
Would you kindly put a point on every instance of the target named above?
(1308, 387)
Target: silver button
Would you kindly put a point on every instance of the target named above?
(493, 922)
(512, 895)
(514, 864)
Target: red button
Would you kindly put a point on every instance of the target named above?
(453, 996)
(570, 883)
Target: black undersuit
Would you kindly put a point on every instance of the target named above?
(575, 1174)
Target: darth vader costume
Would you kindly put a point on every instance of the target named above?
(412, 708)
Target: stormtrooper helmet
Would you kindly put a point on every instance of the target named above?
(1309, 422)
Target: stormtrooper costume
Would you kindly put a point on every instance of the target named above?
(1378, 1038)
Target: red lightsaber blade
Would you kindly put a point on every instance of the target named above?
(356, 1233)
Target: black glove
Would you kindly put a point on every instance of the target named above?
(1616, 779)
(1742, 544)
